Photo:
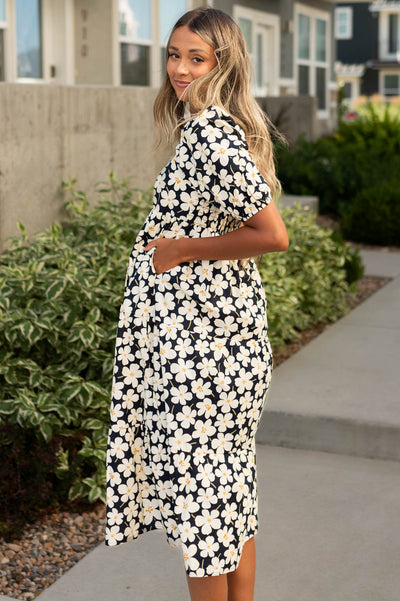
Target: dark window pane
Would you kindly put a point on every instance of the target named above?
(1, 55)
(347, 89)
(391, 85)
(304, 80)
(135, 62)
(393, 33)
(29, 38)
(321, 88)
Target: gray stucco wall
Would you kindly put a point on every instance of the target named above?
(51, 133)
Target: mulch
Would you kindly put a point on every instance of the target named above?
(52, 545)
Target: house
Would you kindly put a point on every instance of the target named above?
(368, 48)
(122, 42)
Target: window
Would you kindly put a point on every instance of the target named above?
(2, 10)
(347, 90)
(135, 37)
(29, 38)
(261, 33)
(312, 56)
(393, 45)
(144, 28)
(344, 23)
(391, 84)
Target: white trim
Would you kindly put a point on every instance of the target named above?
(348, 11)
(69, 46)
(287, 81)
(312, 63)
(383, 36)
(116, 52)
(260, 20)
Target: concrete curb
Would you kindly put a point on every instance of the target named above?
(330, 434)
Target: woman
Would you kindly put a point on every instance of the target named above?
(193, 360)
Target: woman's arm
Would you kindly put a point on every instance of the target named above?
(264, 232)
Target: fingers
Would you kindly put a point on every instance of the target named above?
(151, 244)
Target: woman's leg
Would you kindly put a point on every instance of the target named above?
(209, 588)
(234, 586)
(241, 581)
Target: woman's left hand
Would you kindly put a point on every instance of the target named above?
(167, 254)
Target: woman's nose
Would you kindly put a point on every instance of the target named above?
(182, 67)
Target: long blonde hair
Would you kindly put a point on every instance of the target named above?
(227, 85)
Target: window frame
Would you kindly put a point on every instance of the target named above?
(348, 12)
(384, 35)
(312, 63)
(261, 19)
(155, 45)
(382, 88)
(4, 26)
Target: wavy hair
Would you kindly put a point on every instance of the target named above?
(227, 85)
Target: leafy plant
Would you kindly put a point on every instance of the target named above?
(60, 293)
(342, 169)
(309, 283)
(59, 297)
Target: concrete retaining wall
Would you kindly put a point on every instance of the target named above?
(51, 133)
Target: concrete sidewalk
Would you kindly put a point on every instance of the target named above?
(330, 522)
(329, 531)
(341, 393)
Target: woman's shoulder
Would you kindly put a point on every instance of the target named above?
(215, 118)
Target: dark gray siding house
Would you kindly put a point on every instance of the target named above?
(367, 47)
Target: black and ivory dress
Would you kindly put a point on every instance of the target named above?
(192, 363)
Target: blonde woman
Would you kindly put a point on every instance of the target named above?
(193, 362)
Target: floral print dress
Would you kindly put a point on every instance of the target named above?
(192, 363)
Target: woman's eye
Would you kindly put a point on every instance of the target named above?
(198, 59)
(172, 55)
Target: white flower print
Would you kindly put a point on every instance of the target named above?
(208, 521)
(181, 394)
(188, 532)
(186, 417)
(222, 151)
(203, 430)
(185, 506)
(180, 441)
(205, 475)
(207, 497)
(183, 370)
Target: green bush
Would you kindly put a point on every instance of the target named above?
(342, 169)
(309, 283)
(312, 168)
(373, 215)
(60, 294)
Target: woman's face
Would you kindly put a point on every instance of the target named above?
(188, 58)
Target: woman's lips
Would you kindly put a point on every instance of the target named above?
(182, 84)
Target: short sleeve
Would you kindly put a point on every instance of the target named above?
(225, 170)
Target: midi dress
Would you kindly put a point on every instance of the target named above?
(192, 362)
